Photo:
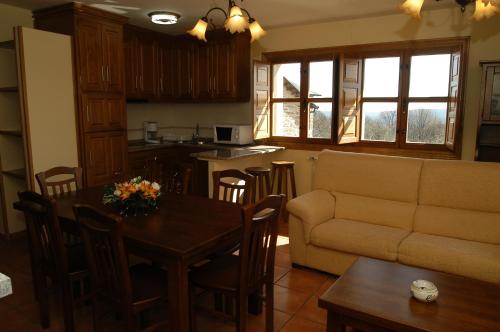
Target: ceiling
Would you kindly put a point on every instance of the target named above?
(270, 13)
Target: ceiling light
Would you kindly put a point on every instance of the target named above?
(483, 10)
(237, 21)
(164, 17)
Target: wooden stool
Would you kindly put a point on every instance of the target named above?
(281, 169)
(262, 182)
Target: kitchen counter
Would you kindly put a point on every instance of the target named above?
(141, 146)
(229, 153)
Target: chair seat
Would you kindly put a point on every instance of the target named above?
(221, 274)
(149, 283)
(283, 163)
(257, 170)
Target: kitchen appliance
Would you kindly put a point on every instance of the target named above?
(151, 132)
(233, 134)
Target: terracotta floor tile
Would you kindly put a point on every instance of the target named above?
(279, 272)
(303, 280)
(289, 300)
(312, 311)
(258, 323)
(283, 260)
(326, 285)
(298, 324)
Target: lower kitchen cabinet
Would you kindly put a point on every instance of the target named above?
(106, 157)
(159, 164)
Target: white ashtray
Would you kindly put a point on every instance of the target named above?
(424, 291)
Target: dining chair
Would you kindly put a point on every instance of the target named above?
(131, 291)
(233, 190)
(50, 258)
(66, 177)
(238, 276)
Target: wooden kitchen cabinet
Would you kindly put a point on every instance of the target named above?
(106, 157)
(140, 63)
(165, 62)
(102, 113)
(100, 62)
(100, 86)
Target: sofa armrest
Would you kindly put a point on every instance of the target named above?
(312, 209)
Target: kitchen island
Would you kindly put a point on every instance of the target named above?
(203, 159)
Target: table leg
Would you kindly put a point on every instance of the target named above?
(334, 324)
(178, 297)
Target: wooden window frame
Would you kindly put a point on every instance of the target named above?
(404, 50)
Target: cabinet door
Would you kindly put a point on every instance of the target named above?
(117, 151)
(116, 113)
(131, 77)
(204, 59)
(224, 75)
(166, 71)
(90, 60)
(94, 113)
(97, 159)
(112, 41)
(184, 71)
(147, 68)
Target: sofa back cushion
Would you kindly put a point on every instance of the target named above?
(464, 185)
(374, 210)
(460, 199)
(460, 224)
(383, 177)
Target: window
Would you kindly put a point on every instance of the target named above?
(394, 95)
(302, 97)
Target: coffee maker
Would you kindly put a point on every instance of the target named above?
(151, 132)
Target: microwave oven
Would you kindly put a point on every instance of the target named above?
(233, 134)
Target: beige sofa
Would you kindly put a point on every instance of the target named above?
(437, 214)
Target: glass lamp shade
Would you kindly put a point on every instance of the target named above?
(412, 7)
(236, 22)
(256, 30)
(484, 10)
(199, 29)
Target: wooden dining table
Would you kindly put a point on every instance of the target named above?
(182, 231)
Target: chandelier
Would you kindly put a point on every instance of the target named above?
(235, 22)
(483, 9)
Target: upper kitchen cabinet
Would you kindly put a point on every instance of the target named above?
(165, 68)
(141, 72)
(99, 60)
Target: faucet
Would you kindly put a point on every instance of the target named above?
(196, 134)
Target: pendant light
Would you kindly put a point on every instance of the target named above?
(483, 9)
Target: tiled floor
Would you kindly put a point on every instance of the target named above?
(296, 297)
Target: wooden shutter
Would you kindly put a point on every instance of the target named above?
(454, 102)
(349, 121)
(261, 111)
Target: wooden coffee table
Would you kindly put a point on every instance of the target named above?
(374, 295)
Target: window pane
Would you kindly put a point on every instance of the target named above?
(381, 78)
(321, 79)
(286, 80)
(379, 122)
(426, 123)
(430, 75)
(495, 96)
(286, 119)
(320, 120)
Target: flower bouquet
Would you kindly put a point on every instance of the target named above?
(133, 197)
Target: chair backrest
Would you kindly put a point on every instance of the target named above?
(234, 191)
(177, 180)
(46, 245)
(258, 246)
(106, 256)
(59, 187)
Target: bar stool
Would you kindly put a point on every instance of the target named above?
(262, 182)
(281, 170)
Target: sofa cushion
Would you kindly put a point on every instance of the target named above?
(384, 177)
(359, 238)
(461, 224)
(374, 210)
(467, 258)
(460, 184)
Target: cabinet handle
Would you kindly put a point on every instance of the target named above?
(88, 116)
(161, 84)
(107, 72)
(90, 157)
(142, 82)
(102, 73)
(136, 79)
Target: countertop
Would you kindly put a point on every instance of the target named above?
(211, 151)
(235, 152)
